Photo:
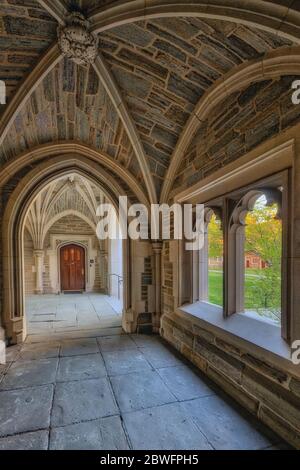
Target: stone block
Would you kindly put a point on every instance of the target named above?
(199, 362)
(185, 351)
(233, 389)
(274, 396)
(184, 336)
(204, 334)
(224, 363)
(232, 350)
(184, 89)
(295, 386)
(280, 425)
(143, 62)
(265, 369)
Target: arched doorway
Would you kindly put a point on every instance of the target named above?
(13, 235)
(72, 268)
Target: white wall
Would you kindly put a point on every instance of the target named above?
(116, 267)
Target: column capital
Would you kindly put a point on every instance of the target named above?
(157, 246)
(38, 253)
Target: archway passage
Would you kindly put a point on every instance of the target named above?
(170, 101)
(72, 268)
(68, 271)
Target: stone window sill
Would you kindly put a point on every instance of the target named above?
(248, 327)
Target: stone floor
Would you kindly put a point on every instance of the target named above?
(116, 392)
(61, 315)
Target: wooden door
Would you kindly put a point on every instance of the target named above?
(72, 268)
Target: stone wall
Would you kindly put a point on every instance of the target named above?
(29, 264)
(165, 65)
(70, 225)
(236, 126)
(264, 383)
(26, 31)
(268, 392)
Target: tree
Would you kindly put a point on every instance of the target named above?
(215, 238)
(264, 237)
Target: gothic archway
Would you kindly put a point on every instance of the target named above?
(13, 231)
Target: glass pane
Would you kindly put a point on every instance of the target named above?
(263, 251)
(215, 262)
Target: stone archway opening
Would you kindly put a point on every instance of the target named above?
(70, 274)
(58, 210)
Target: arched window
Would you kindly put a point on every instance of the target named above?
(210, 259)
(255, 255)
(215, 261)
(263, 253)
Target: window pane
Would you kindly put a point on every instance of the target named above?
(215, 262)
(263, 251)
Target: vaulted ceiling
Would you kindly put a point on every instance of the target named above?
(70, 193)
(163, 66)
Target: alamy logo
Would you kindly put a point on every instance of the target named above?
(2, 92)
(296, 94)
(138, 223)
(295, 352)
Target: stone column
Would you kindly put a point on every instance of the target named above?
(39, 256)
(2, 346)
(157, 250)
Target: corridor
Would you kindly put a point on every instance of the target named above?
(116, 392)
(70, 315)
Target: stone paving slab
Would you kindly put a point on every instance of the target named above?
(164, 427)
(24, 374)
(103, 434)
(29, 441)
(160, 356)
(184, 382)
(140, 390)
(84, 413)
(82, 401)
(25, 410)
(224, 427)
(52, 315)
(12, 353)
(44, 350)
(89, 366)
(144, 341)
(116, 343)
(77, 347)
(125, 362)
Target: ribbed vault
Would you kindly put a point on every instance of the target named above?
(69, 194)
(162, 64)
(165, 66)
(70, 104)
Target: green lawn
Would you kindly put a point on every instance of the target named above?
(215, 287)
(215, 279)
